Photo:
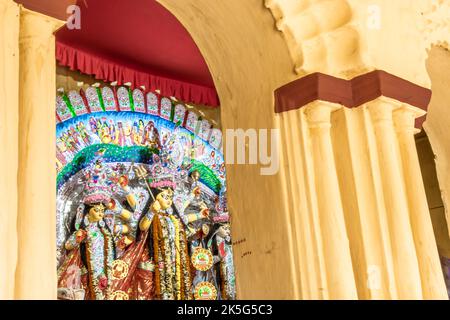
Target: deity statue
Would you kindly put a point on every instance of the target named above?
(90, 246)
(102, 230)
(143, 225)
(220, 246)
(157, 265)
(215, 273)
(169, 248)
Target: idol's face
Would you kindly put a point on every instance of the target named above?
(96, 213)
(205, 229)
(164, 199)
(224, 231)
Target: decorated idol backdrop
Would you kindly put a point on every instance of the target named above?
(141, 204)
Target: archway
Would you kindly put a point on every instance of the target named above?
(261, 236)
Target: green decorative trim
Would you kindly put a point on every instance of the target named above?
(100, 98)
(130, 95)
(172, 111)
(69, 105)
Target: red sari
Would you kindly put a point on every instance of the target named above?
(133, 275)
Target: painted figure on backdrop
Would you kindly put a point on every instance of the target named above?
(105, 134)
(93, 125)
(151, 136)
(83, 133)
(112, 130)
(121, 134)
(141, 132)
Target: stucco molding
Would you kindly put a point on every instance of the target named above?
(320, 35)
(350, 93)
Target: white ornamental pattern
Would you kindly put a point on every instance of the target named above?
(77, 103)
(124, 99)
(166, 108)
(93, 99)
(108, 99)
(152, 103)
(139, 101)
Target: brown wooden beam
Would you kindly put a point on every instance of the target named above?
(54, 8)
(350, 93)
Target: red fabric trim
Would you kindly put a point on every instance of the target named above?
(106, 70)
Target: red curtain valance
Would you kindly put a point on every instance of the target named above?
(106, 70)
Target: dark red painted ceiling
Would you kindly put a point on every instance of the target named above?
(138, 34)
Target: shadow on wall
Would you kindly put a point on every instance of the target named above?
(433, 146)
(437, 123)
(435, 202)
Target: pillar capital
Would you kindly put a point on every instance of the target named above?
(36, 26)
(381, 110)
(405, 118)
(318, 113)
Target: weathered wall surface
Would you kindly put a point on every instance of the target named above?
(437, 124)
(434, 195)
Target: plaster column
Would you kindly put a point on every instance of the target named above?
(306, 253)
(433, 283)
(9, 112)
(336, 250)
(364, 213)
(36, 269)
(406, 268)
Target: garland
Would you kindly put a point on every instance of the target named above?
(156, 253)
(178, 268)
(187, 281)
(168, 269)
(109, 258)
(91, 281)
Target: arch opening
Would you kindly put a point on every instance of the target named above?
(141, 175)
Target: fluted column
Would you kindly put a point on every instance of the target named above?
(36, 269)
(338, 263)
(364, 212)
(9, 112)
(307, 253)
(406, 269)
(433, 284)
